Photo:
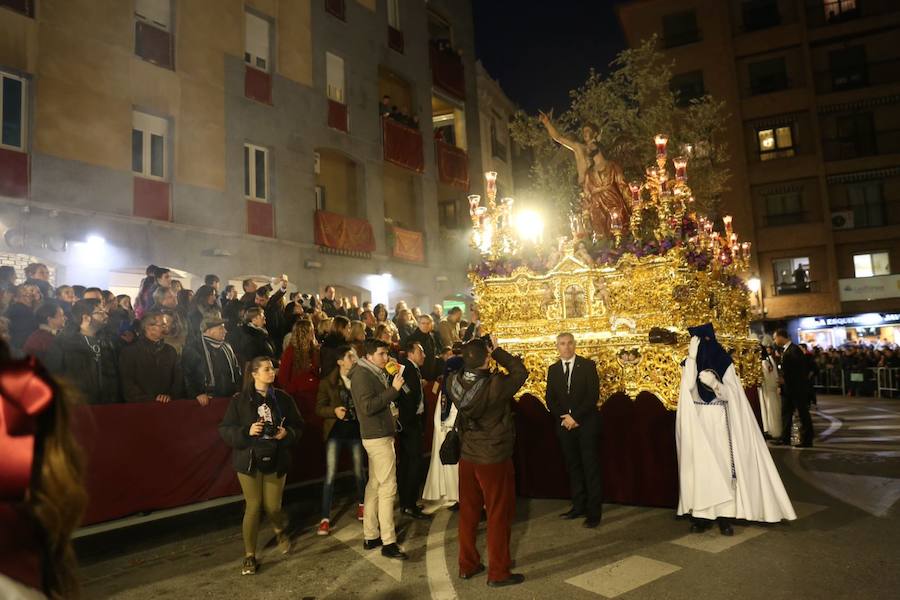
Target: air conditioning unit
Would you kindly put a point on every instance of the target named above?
(842, 219)
(317, 162)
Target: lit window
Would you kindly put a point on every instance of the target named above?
(12, 110)
(256, 172)
(256, 42)
(334, 76)
(791, 275)
(871, 264)
(776, 142)
(836, 8)
(149, 137)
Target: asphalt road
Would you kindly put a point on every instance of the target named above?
(843, 545)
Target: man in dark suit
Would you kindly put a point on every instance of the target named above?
(411, 406)
(795, 390)
(573, 389)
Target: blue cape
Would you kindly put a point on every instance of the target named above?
(711, 356)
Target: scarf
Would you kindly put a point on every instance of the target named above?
(465, 386)
(378, 372)
(208, 343)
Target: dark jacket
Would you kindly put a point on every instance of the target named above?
(242, 413)
(433, 365)
(276, 323)
(330, 308)
(795, 371)
(196, 363)
(38, 343)
(328, 355)
(487, 427)
(580, 400)
(372, 396)
(408, 402)
(22, 323)
(72, 358)
(249, 342)
(330, 396)
(44, 286)
(149, 369)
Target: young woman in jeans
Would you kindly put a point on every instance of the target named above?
(341, 429)
(261, 424)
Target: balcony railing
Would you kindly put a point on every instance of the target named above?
(849, 147)
(791, 288)
(402, 145)
(406, 244)
(864, 75)
(343, 234)
(453, 165)
(447, 69)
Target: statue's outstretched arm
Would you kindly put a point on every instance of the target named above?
(569, 143)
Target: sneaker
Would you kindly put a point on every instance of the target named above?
(359, 512)
(250, 566)
(324, 527)
(284, 542)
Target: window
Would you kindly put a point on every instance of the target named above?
(784, 208)
(776, 142)
(393, 13)
(687, 86)
(848, 67)
(447, 214)
(836, 10)
(680, 29)
(856, 135)
(334, 76)
(149, 137)
(768, 76)
(866, 200)
(153, 31)
(26, 7)
(791, 275)
(498, 137)
(256, 42)
(871, 264)
(12, 110)
(256, 172)
(759, 14)
(336, 8)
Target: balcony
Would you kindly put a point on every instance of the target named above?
(822, 13)
(406, 244)
(337, 116)
(770, 84)
(780, 220)
(792, 288)
(453, 165)
(681, 38)
(850, 147)
(864, 75)
(402, 145)
(344, 235)
(447, 69)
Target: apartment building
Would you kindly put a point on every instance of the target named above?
(812, 88)
(244, 138)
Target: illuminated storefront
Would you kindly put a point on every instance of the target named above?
(834, 331)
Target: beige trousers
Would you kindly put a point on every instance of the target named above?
(381, 491)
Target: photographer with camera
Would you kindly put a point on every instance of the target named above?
(488, 435)
(340, 427)
(261, 424)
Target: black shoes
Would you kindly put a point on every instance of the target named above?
(478, 570)
(725, 528)
(513, 579)
(698, 526)
(371, 544)
(453, 507)
(591, 522)
(393, 551)
(572, 514)
(415, 513)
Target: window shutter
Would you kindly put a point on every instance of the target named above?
(155, 12)
(334, 69)
(256, 41)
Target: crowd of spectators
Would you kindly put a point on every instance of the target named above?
(171, 342)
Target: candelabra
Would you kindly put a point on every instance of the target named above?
(492, 224)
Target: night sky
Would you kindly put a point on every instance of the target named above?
(538, 51)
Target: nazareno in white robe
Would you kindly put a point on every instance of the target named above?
(442, 482)
(770, 399)
(708, 438)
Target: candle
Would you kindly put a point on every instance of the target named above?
(490, 183)
(474, 201)
(733, 239)
(688, 149)
(635, 188)
(615, 222)
(652, 172)
(661, 140)
(680, 168)
(727, 220)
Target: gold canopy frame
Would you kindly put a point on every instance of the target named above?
(611, 311)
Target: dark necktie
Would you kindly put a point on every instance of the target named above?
(566, 374)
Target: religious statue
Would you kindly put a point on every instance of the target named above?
(604, 190)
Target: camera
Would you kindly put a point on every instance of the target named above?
(486, 338)
(269, 429)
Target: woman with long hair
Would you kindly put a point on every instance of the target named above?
(298, 371)
(204, 305)
(157, 277)
(385, 333)
(381, 316)
(323, 326)
(358, 336)
(261, 424)
(42, 497)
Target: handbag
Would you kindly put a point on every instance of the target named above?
(451, 448)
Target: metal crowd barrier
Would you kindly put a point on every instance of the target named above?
(888, 381)
(830, 380)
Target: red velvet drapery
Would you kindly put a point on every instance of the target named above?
(403, 145)
(343, 233)
(453, 165)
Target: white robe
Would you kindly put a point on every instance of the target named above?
(442, 482)
(770, 399)
(707, 489)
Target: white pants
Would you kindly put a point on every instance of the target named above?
(381, 491)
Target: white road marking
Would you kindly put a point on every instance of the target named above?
(714, 542)
(622, 576)
(439, 582)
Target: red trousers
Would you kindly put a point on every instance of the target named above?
(493, 487)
